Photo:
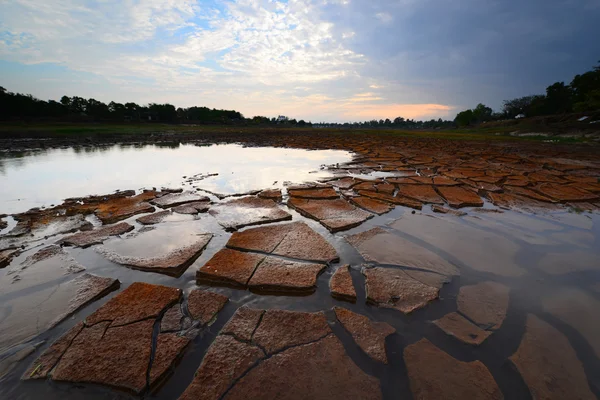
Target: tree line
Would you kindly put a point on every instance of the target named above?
(581, 95)
(25, 106)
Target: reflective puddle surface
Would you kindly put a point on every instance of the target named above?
(45, 177)
(489, 304)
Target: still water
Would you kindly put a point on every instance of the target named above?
(42, 178)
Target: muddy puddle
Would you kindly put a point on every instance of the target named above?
(505, 300)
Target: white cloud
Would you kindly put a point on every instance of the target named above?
(384, 17)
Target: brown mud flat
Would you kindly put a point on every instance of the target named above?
(472, 297)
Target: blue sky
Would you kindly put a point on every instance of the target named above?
(320, 60)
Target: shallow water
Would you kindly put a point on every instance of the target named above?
(533, 290)
(549, 261)
(45, 177)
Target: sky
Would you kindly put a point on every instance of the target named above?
(319, 60)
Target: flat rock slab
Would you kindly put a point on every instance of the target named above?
(320, 370)
(226, 360)
(246, 211)
(271, 194)
(335, 215)
(164, 250)
(485, 304)
(380, 246)
(394, 288)
(295, 240)
(306, 361)
(375, 206)
(458, 326)
(229, 267)
(153, 218)
(433, 374)
(140, 301)
(97, 236)
(565, 193)
(118, 208)
(398, 200)
(192, 208)
(280, 329)
(204, 305)
(344, 183)
(458, 197)
(341, 285)
(479, 249)
(317, 193)
(549, 365)
(370, 336)
(422, 193)
(177, 199)
(284, 276)
(113, 346)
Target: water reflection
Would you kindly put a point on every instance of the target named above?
(45, 177)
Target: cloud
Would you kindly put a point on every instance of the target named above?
(310, 59)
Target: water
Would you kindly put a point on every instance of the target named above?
(550, 262)
(41, 178)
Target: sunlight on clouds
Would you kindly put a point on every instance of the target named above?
(256, 56)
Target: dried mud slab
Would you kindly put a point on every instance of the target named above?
(372, 205)
(398, 200)
(394, 288)
(246, 211)
(380, 246)
(566, 193)
(319, 370)
(172, 319)
(229, 267)
(579, 310)
(226, 361)
(344, 183)
(479, 249)
(280, 329)
(271, 194)
(294, 240)
(153, 218)
(114, 209)
(456, 325)
(243, 323)
(284, 276)
(204, 305)
(485, 304)
(335, 215)
(458, 197)
(97, 236)
(140, 301)
(177, 199)
(370, 336)
(433, 374)
(113, 346)
(192, 208)
(422, 193)
(279, 354)
(158, 250)
(317, 193)
(341, 285)
(549, 365)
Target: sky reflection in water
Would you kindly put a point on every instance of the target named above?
(44, 178)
